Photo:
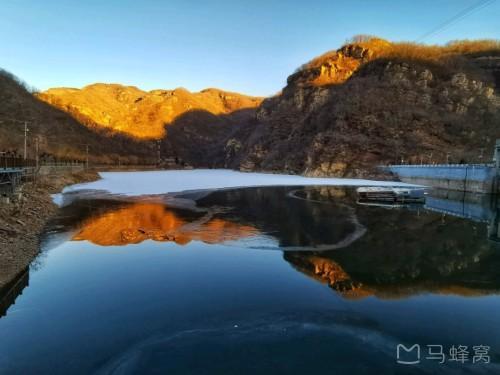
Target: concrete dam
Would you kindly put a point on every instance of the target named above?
(472, 178)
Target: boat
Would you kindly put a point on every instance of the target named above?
(391, 194)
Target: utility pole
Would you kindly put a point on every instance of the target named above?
(496, 155)
(87, 156)
(158, 148)
(496, 159)
(481, 154)
(87, 150)
(26, 130)
(36, 152)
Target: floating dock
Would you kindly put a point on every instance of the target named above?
(390, 194)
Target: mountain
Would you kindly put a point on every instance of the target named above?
(59, 134)
(374, 102)
(138, 113)
(368, 103)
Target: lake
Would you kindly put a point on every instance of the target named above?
(177, 275)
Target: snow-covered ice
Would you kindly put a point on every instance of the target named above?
(172, 181)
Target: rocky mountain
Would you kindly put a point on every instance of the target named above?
(59, 134)
(370, 102)
(374, 102)
(138, 113)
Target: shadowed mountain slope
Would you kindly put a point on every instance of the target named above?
(59, 134)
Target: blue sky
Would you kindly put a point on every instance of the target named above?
(245, 46)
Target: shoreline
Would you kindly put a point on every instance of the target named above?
(23, 220)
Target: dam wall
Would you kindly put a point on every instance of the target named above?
(473, 178)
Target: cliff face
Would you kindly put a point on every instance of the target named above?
(372, 103)
(141, 114)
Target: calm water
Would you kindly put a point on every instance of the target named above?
(257, 280)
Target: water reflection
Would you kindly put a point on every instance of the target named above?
(283, 217)
(442, 247)
(132, 223)
(12, 290)
(414, 249)
(388, 252)
(293, 217)
(297, 308)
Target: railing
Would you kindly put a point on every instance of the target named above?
(13, 162)
(62, 164)
(488, 165)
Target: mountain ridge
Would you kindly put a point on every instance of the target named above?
(138, 113)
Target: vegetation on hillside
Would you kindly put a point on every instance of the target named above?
(59, 135)
(373, 102)
(438, 54)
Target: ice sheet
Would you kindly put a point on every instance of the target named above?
(161, 182)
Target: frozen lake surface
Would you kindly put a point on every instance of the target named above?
(161, 182)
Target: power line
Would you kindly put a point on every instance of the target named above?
(6, 119)
(26, 130)
(457, 17)
(463, 13)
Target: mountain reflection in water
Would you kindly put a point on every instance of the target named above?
(136, 222)
(412, 250)
(388, 253)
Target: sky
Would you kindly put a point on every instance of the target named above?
(244, 46)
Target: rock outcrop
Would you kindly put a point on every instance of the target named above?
(374, 102)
